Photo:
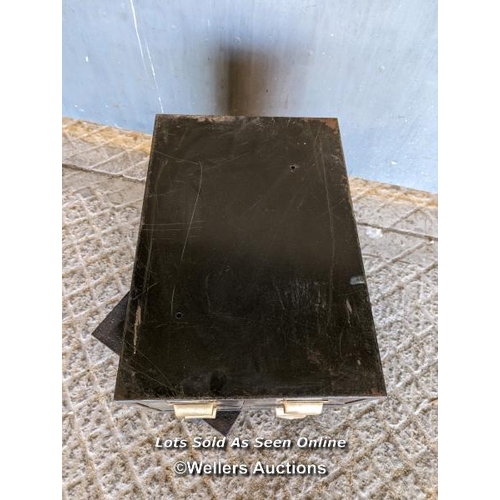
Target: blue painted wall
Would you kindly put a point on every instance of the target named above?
(371, 63)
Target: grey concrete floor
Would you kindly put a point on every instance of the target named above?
(108, 449)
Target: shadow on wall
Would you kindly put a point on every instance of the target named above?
(246, 82)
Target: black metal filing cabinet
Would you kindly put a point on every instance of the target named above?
(248, 289)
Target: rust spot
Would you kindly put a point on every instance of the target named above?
(332, 123)
(206, 118)
(377, 392)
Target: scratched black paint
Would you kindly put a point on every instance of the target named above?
(248, 279)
